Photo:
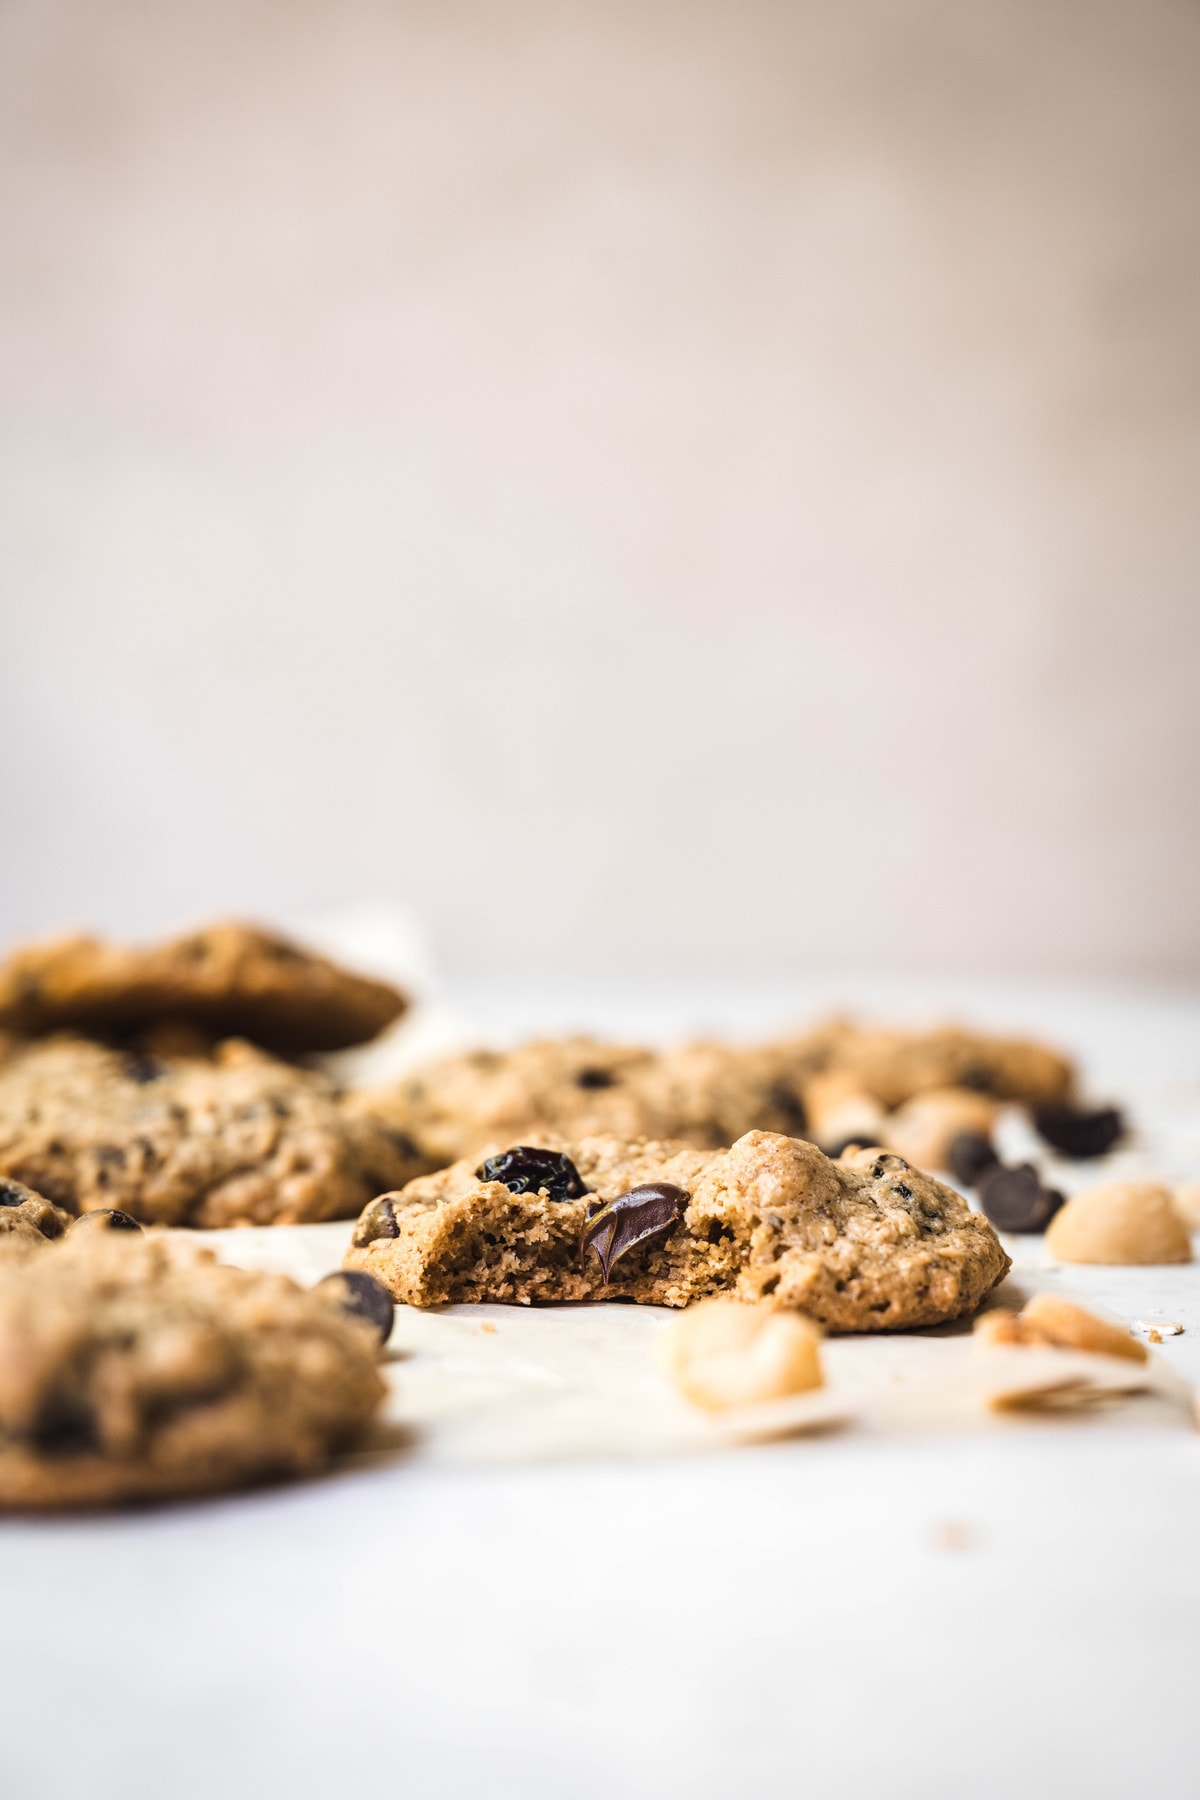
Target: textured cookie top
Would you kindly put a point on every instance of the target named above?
(863, 1244)
(704, 1094)
(238, 1138)
(130, 1369)
(231, 979)
(27, 1218)
(892, 1065)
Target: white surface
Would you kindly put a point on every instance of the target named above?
(918, 1614)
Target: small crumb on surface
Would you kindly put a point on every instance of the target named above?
(486, 1327)
(1157, 1329)
(954, 1534)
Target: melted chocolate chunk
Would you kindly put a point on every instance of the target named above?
(360, 1295)
(526, 1170)
(12, 1193)
(632, 1218)
(1015, 1200)
(970, 1153)
(1078, 1132)
(378, 1220)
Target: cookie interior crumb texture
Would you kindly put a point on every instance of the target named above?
(129, 1371)
(863, 1244)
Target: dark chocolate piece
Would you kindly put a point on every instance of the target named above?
(1077, 1131)
(1015, 1200)
(107, 1218)
(787, 1102)
(632, 1218)
(595, 1078)
(143, 1068)
(526, 1170)
(378, 1220)
(360, 1295)
(970, 1153)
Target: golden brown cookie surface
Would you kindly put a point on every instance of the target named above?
(865, 1244)
(228, 979)
(238, 1138)
(129, 1371)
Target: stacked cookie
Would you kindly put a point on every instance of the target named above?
(162, 1081)
(159, 1087)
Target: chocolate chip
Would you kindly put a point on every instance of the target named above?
(107, 1218)
(1077, 1131)
(1015, 1200)
(632, 1218)
(595, 1078)
(969, 1154)
(402, 1144)
(12, 1193)
(378, 1220)
(788, 1104)
(143, 1068)
(905, 1193)
(360, 1295)
(525, 1170)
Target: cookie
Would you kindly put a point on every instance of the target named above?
(864, 1244)
(129, 1371)
(894, 1065)
(236, 1139)
(28, 1218)
(227, 980)
(704, 1094)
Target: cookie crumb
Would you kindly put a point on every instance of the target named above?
(486, 1327)
(1157, 1329)
(954, 1534)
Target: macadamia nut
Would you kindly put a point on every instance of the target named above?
(840, 1112)
(1048, 1319)
(721, 1353)
(924, 1128)
(1120, 1222)
(1187, 1204)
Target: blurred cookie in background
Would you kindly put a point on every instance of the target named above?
(225, 980)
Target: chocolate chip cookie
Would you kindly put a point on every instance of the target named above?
(893, 1065)
(227, 979)
(863, 1244)
(704, 1094)
(130, 1371)
(27, 1218)
(238, 1138)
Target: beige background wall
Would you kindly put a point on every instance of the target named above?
(659, 485)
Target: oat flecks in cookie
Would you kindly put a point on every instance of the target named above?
(833, 1085)
(865, 1244)
(132, 1370)
(702, 1094)
(239, 1138)
(228, 979)
(28, 1219)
